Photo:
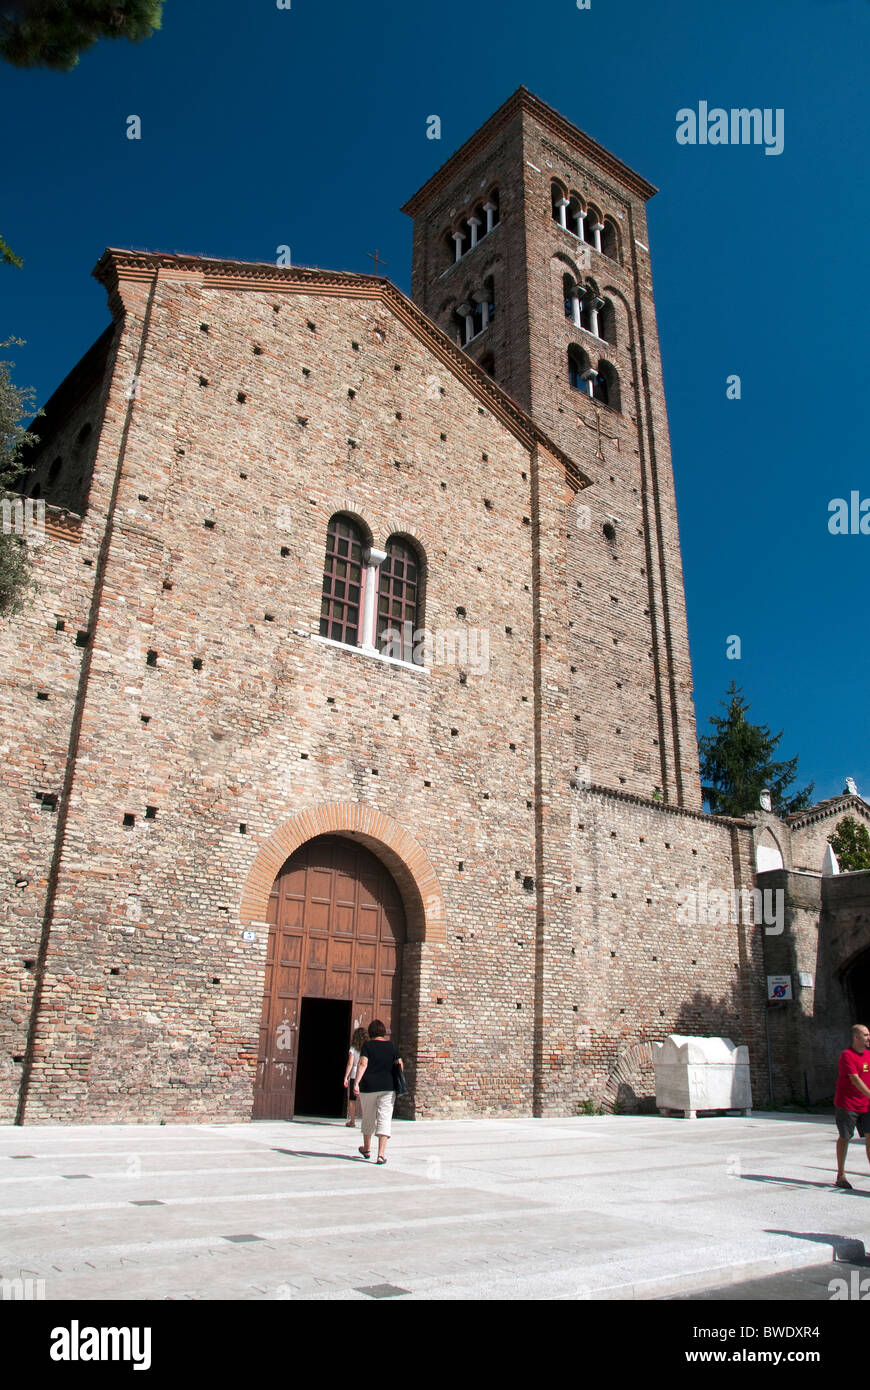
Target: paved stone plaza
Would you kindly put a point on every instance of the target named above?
(607, 1207)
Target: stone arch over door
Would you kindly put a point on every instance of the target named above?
(386, 838)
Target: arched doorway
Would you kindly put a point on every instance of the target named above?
(336, 931)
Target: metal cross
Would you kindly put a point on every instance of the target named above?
(598, 453)
(377, 260)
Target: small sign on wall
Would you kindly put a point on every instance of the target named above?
(779, 987)
(249, 936)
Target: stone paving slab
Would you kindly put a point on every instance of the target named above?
(604, 1207)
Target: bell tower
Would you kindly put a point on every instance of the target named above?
(531, 251)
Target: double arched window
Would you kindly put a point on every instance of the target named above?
(475, 313)
(600, 382)
(371, 598)
(586, 309)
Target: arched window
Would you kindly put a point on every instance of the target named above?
(559, 200)
(487, 362)
(575, 216)
(594, 227)
(578, 369)
(492, 210)
(54, 470)
(398, 599)
(605, 386)
(610, 239)
(82, 436)
(340, 608)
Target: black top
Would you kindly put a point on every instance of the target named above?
(381, 1055)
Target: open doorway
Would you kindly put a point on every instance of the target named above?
(324, 1038)
(858, 988)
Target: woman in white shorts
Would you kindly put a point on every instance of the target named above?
(375, 1087)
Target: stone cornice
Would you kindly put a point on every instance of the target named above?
(834, 807)
(523, 100)
(652, 805)
(117, 266)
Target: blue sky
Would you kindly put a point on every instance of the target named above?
(307, 127)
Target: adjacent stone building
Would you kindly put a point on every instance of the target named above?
(358, 680)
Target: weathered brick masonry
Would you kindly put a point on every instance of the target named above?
(234, 410)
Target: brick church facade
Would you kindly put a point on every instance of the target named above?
(358, 679)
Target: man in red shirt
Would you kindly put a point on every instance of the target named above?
(852, 1098)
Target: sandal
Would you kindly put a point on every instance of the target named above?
(349, 1124)
(382, 1160)
(363, 1152)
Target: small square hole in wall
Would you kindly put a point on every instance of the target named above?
(487, 502)
(60, 625)
(167, 584)
(150, 658)
(460, 865)
(396, 718)
(285, 551)
(145, 718)
(427, 784)
(243, 828)
(485, 458)
(351, 393)
(203, 328)
(304, 756)
(129, 820)
(443, 437)
(312, 326)
(203, 381)
(306, 371)
(444, 486)
(114, 970)
(258, 351)
(209, 525)
(519, 1006)
(42, 694)
(398, 414)
(197, 663)
(355, 347)
(243, 475)
(142, 497)
(397, 367)
(150, 812)
(276, 308)
(268, 617)
(82, 638)
(330, 700)
(241, 397)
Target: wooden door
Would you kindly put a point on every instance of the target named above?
(336, 929)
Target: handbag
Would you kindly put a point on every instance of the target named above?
(400, 1085)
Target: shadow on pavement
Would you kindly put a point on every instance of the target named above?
(844, 1247)
(801, 1182)
(319, 1153)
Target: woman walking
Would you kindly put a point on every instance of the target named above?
(375, 1086)
(359, 1037)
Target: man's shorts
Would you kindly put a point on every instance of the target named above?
(847, 1121)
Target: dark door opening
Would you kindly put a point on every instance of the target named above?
(324, 1039)
(858, 988)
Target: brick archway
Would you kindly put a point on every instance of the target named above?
(386, 838)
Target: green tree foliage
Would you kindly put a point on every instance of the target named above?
(737, 764)
(851, 844)
(16, 403)
(8, 256)
(52, 33)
